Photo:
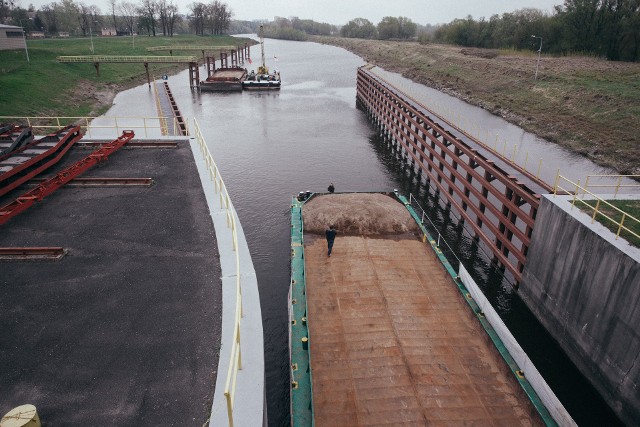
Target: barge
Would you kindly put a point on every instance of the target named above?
(225, 80)
(384, 330)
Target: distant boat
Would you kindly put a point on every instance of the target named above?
(262, 79)
(225, 80)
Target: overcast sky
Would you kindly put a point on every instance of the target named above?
(339, 12)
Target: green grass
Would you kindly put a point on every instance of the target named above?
(45, 87)
(630, 207)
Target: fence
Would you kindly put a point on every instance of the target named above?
(578, 194)
(94, 126)
(617, 184)
(235, 359)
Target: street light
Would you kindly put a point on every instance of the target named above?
(539, 51)
(24, 39)
(91, 36)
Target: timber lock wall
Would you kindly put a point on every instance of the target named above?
(496, 197)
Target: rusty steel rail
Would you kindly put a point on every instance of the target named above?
(499, 207)
(32, 253)
(131, 144)
(64, 139)
(49, 186)
(103, 182)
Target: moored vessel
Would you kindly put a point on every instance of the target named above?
(384, 330)
(262, 79)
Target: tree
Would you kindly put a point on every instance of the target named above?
(148, 16)
(219, 17)
(112, 9)
(129, 14)
(388, 28)
(360, 28)
(198, 17)
(406, 28)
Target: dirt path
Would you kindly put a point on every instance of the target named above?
(588, 105)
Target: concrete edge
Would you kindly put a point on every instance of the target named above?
(546, 395)
(249, 407)
(564, 203)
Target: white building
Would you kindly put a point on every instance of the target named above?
(11, 37)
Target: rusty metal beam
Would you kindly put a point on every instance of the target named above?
(103, 182)
(131, 144)
(32, 253)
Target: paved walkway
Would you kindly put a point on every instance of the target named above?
(393, 342)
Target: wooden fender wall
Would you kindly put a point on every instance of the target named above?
(500, 209)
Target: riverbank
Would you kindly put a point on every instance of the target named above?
(587, 105)
(27, 88)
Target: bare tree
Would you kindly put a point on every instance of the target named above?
(112, 9)
(128, 12)
(149, 16)
(198, 17)
(219, 17)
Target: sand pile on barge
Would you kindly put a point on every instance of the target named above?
(358, 214)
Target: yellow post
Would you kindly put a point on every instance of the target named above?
(239, 348)
(586, 184)
(555, 185)
(618, 186)
(526, 159)
(514, 152)
(620, 226)
(595, 211)
(539, 166)
(575, 194)
(229, 408)
(504, 150)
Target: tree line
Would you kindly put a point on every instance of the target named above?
(150, 17)
(388, 28)
(605, 28)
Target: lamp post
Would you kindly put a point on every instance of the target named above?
(24, 38)
(91, 37)
(539, 51)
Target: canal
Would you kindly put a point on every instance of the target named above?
(270, 146)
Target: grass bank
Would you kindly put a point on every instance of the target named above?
(588, 105)
(629, 207)
(44, 87)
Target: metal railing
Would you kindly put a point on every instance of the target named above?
(182, 47)
(578, 193)
(123, 59)
(163, 121)
(423, 216)
(617, 185)
(141, 125)
(235, 358)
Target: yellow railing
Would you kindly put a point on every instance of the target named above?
(574, 190)
(617, 182)
(122, 58)
(44, 125)
(205, 48)
(164, 128)
(235, 358)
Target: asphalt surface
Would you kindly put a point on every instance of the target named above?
(125, 329)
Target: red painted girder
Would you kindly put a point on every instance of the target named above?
(23, 202)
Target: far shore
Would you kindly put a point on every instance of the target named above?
(587, 105)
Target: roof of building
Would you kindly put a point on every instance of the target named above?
(2, 26)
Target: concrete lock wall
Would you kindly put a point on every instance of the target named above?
(584, 287)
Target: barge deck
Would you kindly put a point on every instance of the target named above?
(391, 339)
